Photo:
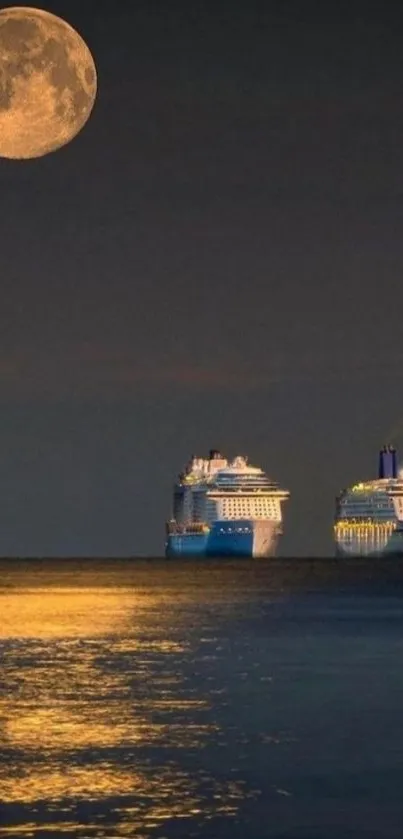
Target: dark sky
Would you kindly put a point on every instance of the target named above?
(215, 261)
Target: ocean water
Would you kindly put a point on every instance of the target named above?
(201, 699)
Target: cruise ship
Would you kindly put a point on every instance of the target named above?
(224, 508)
(369, 514)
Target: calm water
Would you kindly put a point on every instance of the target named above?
(154, 699)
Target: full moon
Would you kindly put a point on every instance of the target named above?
(48, 82)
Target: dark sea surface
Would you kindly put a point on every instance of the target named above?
(201, 699)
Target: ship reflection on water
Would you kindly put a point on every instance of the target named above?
(101, 721)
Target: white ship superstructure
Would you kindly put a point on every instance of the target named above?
(223, 507)
(368, 513)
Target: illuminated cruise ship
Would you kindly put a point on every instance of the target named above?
(368, 513)
(224, 508)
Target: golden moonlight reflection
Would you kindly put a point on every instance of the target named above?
(97, 709)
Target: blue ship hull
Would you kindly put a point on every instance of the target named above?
(235, 538)
(186, 544)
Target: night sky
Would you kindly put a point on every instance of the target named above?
(215, 261)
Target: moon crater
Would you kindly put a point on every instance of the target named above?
(48, 82)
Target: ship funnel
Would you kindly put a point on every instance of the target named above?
(387, 462)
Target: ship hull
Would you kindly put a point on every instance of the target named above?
(186, 544)
(342, 552)
(356, 546)
(229, 538)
